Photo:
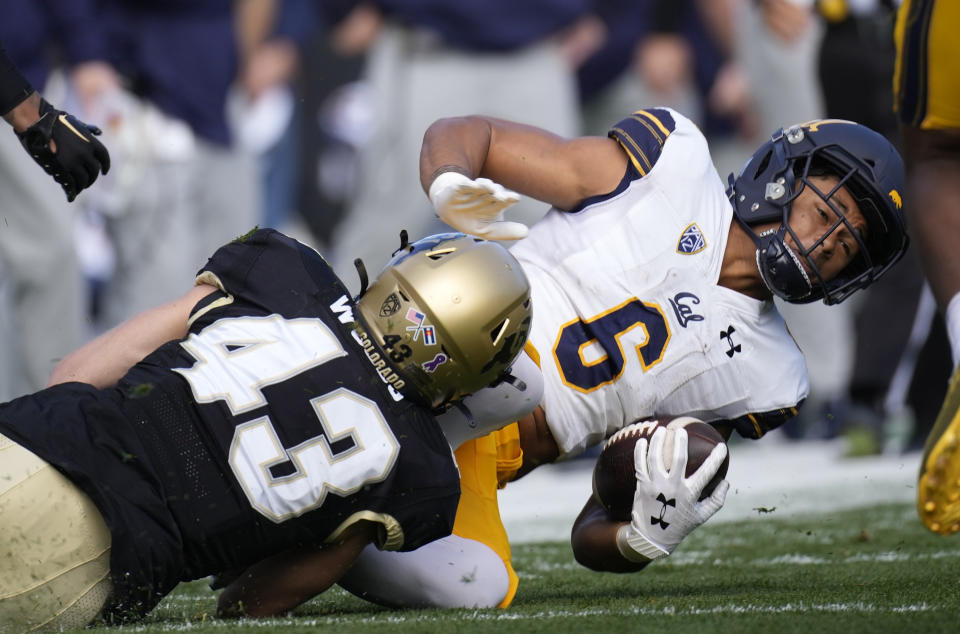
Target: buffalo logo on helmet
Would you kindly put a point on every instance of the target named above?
(895, 197)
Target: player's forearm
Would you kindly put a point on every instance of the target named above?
(24, 114)
(103, 361)
(255, 593)
(458, 144)
(594, 541)
(525, 159)
(280, 583)
(537, 442)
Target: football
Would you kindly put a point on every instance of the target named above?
(614, 479)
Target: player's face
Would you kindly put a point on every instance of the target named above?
(811, 219)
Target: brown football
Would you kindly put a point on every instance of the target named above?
(614, 479)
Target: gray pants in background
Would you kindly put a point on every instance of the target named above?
(179, 215)
(414, 82)
(41, 306)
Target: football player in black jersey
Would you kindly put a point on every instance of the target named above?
(262, 419)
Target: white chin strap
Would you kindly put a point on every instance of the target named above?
(491, 408)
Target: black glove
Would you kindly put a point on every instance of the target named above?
(79, 156)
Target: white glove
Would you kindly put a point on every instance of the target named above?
(475, 206)
(665, 506)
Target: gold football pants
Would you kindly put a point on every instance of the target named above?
(484, 464)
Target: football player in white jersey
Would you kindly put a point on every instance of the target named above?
(652, 282)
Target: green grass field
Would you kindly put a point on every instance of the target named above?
(868, 570)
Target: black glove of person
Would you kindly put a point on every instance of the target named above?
(79, 156)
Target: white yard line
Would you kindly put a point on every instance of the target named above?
(517, 616)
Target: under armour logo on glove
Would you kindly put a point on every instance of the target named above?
(76, 158)
(662, 499)
(638, 541)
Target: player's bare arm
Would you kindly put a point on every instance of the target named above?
(280, 583)
(24, 114)
(934, 157)
(537, 442)
(523, 158)
(104, 360)
(594, 541)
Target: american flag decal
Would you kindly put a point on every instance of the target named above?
(429, 332)
(415, 316)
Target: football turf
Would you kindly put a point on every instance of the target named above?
(872, 569)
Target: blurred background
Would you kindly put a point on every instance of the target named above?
(307, 116)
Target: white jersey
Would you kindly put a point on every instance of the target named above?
(628, 320)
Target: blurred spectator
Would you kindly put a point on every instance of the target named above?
(777, 44)
(182, 187)
(927, 103)
(42, 307)
(336, 123)
(264, 108)
(430, 59)
(894, 386)
(856, 62)
(669, 53)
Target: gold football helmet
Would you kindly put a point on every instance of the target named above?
(450, 313)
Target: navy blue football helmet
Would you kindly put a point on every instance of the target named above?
(867, 165)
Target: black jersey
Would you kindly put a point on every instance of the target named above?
(266, 428)
(14, 87)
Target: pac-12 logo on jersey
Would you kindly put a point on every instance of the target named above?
(691, 240)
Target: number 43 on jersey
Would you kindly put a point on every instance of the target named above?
(235, 358)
